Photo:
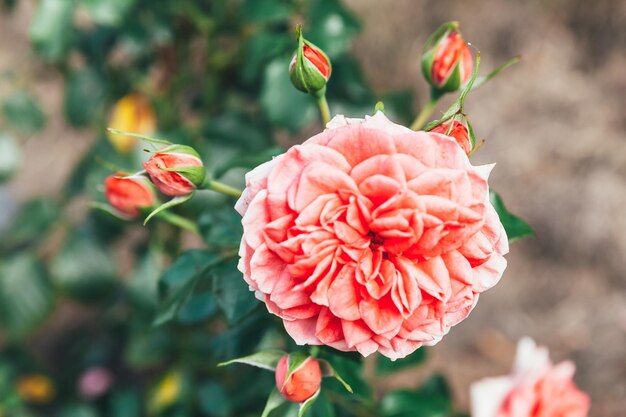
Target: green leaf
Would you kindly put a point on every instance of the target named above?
(197, 307)
(176, 201)
(177, 283)
(323, 407)
(23, 113)
(214, 400)
(385, 366)
(108, 12)
(308, 403)
(274, 401)
(351, 372)
(484, 78)
(405, 403)
(232, 293)
(84, 96)
(515, 227)
(83, 268)
(31, 223)
(52, 30)
(10, 156)
(142, 285)
(221, 227)
(267, 359)
(281, 102)
(328, 370)
(26, 296)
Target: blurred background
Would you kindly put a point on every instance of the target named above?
(554, 124)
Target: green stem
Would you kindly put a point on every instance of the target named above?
(323, 105)
(426, 111)
(222, 188)
(177, 220)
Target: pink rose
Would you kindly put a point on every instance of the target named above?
(536, 388)
(370, 237)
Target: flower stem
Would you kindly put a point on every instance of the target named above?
(423, 115)
(323, 105)
(177, 220)
(222, 188)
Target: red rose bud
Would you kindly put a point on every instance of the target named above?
(310, 68)
(302, 383)
(459, 132)
(129, 195)
(447, 62)
(176, 170)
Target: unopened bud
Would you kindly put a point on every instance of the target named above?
(447, 61)
(459, 132)
(302, 383)
(310, 67)
(176, 170)
(129, 195)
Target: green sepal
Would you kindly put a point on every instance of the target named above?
(169, 204)
(484, 78)
(274, 401)
(328, 370)
(195, 174)
(267, 359)
(308, 403)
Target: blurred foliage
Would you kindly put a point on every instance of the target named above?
(81, 289)
(85, 290)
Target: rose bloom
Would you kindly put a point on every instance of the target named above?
(132, 113)
(370, 237)
(94, 382)
(303, 382)
(536, 388)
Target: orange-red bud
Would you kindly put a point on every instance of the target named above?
(459, 132)
(303, 382)
(129, 194)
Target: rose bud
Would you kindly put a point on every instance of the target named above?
(303, 382)
(310, 67)
(132, 113)
(129, 195)
(459, 132)
(176, 170)
(447, 62)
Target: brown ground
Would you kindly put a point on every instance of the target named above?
(555, 126)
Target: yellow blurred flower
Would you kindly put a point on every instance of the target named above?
(167, 392)
(132, 113)
(35, 389)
